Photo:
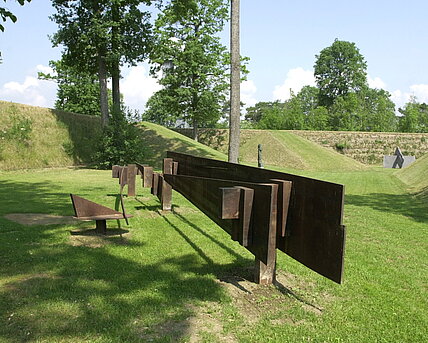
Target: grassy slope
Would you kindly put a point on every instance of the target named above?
(284, 149)
(56, 138)
(63, 139)
(157, 140)
(415, 176)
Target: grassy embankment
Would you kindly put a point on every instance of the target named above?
(416, 177)
(35, 137)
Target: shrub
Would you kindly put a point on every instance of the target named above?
(341, 147)
(120, 144)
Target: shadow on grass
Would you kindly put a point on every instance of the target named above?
(53, 291)
(36, 197)
(402, 204)
(89, 293)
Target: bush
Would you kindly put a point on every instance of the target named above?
(120, 144)
(341, 147)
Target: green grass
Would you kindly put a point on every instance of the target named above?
(286, 150)
(159, 282)
(415, 176)
(52, 138)
(157, 140)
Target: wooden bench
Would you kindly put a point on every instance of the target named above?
(88, 210)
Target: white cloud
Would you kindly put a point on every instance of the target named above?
(248, 91)
(400, 98)
(137, 87)
(44, 69)
(377, 82)
(420, 91)
(31, 91)
(296, 79)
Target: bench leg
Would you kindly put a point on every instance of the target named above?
(101, 226)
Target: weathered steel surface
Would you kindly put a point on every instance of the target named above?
(132, 173)
(146, 175)
(256, 229)
(284, 193)
(241, 230)
(155, 184)
(164, 194)
(167, 166)
(115, 171)
(88, 210)
(314, 234)
(230, 197)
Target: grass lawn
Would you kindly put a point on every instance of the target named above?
(179, 278)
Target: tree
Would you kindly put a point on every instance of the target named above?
(235, 81)
(78, 91)
(256, 113)
(414, 117)
(339, 69)
(379, 111)
(5, 14)
(99, 37)
(195, 84)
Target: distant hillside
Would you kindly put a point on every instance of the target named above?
(365, 147)
(369, 147)
(35, 137)
(416, 176)
(282, 149)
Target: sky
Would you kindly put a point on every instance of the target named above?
(281, 38)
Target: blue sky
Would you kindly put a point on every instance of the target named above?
(280, 37)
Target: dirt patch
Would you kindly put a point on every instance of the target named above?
(255, 302)
(39, 219)
(203, 325)
(91, 239)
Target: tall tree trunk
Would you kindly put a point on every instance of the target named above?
(195, 130)
(115, 72)
(235, 81)
(102, 76)
(116, 89)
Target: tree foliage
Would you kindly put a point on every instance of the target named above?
(339, 69)
(99, 37)
(78, 91)
(414, 117)
(342, 99)
(195, 86)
